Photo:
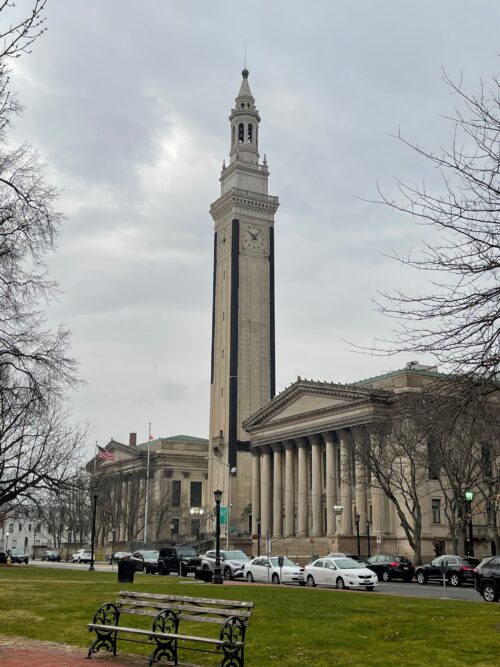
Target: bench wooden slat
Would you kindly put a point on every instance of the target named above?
(243, 613)
(237, 604)
(187, 617)
(150, 633)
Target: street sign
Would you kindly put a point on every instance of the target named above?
(379, 539)
(223, 515)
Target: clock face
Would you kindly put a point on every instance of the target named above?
(223, 238)
(253, 238)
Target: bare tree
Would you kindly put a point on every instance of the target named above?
(38, 447)
(457, 321)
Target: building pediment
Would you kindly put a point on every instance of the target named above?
(306, 398)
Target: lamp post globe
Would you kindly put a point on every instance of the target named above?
(217, 571)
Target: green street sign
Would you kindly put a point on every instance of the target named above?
(223, 515)
(469, 496)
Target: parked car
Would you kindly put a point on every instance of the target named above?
(181, 560)
(145, 560)
(487, 578)
(231, 562)
(389, 566)
(18, 556)
(118, 556)
(51, 556)
(460, 570)
(267, 569)
(82, 556)
(3, 556)
(341, 573)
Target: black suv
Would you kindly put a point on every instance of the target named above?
(487, 579)
(181, 560)
(18, 556)
(145, 560)
(460, 570)
(389, 566)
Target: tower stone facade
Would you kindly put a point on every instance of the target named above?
(243, 355)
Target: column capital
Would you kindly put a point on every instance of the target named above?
(255, 451)
(329, 437)
(288, 445)
(276, 447)
(265, 449)
(301, 442)
(315, 440)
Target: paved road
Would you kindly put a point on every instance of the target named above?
(432, 590)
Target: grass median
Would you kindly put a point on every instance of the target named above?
(290, 627)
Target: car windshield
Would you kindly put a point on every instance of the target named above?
(286, 561)
(472, 562)
(150, 554)
(16, 552)
(235, 555)
(187, 552)
(348, 564)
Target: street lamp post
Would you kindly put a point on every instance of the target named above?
(258, 538)
(368, 536)
(92, 536)
(7, 542)
(468, 499)
(172, 528)
(113, 540)
(356, 521)
(217, 573)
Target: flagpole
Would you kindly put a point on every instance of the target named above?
(147, 489)
(94, 511)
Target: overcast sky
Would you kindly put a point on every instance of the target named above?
(128, 104)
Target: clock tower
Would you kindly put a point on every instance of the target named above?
(243, 355)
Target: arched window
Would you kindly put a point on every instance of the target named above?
(233, 135)
(241, 133)
(250, 133)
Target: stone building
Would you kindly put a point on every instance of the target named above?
(136, 508)
(284, 463)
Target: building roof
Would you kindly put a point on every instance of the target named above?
(429, 371)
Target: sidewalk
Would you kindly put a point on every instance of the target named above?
(21, 652)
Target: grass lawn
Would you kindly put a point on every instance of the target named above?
(290, 626)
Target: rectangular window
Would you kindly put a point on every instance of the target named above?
(175, 525)
(14, 544)
(176, 494)
(432, 460)
(20, 527)
(195, 500)
(195, 527)
(29, 527)
(436, 510)
(11, 527)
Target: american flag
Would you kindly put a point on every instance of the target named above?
(104, 454)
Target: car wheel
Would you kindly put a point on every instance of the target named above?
(250, 578)
(227, 573)
(421, 578)
(205, 568)
(386, 575)
(310, 581)
(489, 593)
(183, 572)
(455, 580)
(302, 583)
(369, 588)
(340, 584)
(26, 560)
(275, 578)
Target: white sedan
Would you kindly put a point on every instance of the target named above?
(341, 573)
(269, 570)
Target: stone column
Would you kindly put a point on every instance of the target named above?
(331, 482)
(255, 451)
(289, 448)
(266, 487)
(377, 504)
(316, 495)
(345, 484)
(361, 504)
(302, 529)
(277, 491)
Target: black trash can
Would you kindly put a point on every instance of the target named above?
(203, 575)
(126, 571)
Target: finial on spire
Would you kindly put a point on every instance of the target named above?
(223, 165)
(265, 160)
(245, 73)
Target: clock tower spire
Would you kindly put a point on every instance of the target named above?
(243, 353)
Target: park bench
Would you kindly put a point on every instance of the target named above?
(195, 616)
